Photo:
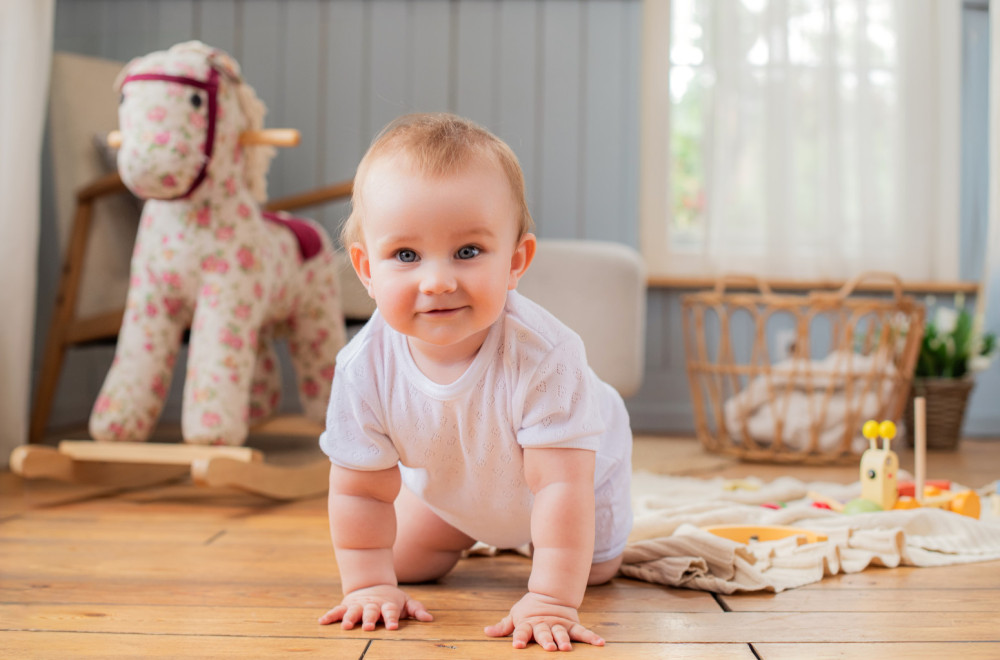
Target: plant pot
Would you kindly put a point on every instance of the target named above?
(946, 400)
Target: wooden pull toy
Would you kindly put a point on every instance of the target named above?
(881, 489)
(275, 137)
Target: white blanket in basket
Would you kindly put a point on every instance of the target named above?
(796, 392)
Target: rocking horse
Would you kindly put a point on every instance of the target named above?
(207, 258)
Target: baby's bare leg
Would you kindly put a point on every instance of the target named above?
(602, 572)
(426, 547)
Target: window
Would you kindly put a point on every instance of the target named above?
(801, 138)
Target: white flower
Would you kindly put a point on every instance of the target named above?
(945, 320)
(980, 362)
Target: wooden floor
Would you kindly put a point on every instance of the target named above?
(181, 571)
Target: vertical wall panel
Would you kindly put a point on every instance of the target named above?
(387, 58)
(175, 23)
(262, 59)
(345, 97)
(982, 415)
(604, 99)
(517, 86)
(218, 25)
(476, 61)
(559, 182)
(131, 28)
(975, 155)
(627, 125)
(77, 27)
(299, 105)
(429, 62)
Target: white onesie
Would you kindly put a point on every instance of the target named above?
(460, 446)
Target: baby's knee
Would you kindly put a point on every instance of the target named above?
(414, 567)
(603, 571)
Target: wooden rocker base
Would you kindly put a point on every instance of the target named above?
(136, 465)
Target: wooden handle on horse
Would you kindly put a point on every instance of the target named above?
(276, 137)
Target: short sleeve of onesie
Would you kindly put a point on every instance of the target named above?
(561, 407)
(355, 435)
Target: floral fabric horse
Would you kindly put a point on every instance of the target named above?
(206, 256)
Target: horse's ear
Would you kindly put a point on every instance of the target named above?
(124, 73)
(222, 62)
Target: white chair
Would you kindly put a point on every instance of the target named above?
(598, 289)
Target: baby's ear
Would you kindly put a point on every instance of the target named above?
(359, 259)
(524, 253)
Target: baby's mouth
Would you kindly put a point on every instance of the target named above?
(443, 311)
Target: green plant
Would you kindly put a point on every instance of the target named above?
(953, 345)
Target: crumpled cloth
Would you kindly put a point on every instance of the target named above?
(667, 545)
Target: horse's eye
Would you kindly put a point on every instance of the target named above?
(196, 100)
(121, 99)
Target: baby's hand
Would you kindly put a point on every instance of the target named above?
(384, 601)
(550, 624)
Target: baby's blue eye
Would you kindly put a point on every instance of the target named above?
(468, 252)
(406, 256)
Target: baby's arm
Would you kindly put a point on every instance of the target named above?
(363, 528)
(562, 532)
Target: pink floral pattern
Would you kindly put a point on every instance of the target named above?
(211, 262)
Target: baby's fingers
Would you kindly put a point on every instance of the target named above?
(551, 637)
(372, 613)
(501, 629)
(389, 614)
(334, 615)
(523, 633)
(416, 610)
(580, 633)
(352, 615)
(560, 637)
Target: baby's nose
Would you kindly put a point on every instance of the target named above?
(437, 278)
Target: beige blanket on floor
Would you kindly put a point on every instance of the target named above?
(668, 546)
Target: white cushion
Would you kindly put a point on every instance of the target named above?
(598, 289)
(83, 103)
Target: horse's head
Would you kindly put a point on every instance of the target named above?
(181, 115)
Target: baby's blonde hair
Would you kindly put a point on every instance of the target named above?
(437, 144)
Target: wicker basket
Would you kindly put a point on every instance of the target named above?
(946, 400)
(849, 358)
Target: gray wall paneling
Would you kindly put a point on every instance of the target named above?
(982, 416)
(518, 88)
(557, 193)
(557, 79)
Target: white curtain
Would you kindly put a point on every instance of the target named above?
(25, 53)
(829, 137)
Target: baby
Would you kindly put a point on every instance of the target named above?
(462, 411)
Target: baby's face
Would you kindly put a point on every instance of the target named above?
(440, 253)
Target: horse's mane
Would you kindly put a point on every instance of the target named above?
(258, 157)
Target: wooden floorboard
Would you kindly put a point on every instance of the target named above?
(85, 646)
(499, 649)
(894, 651)
(183, 571)
(869, 600)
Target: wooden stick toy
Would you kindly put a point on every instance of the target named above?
(275, 137)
